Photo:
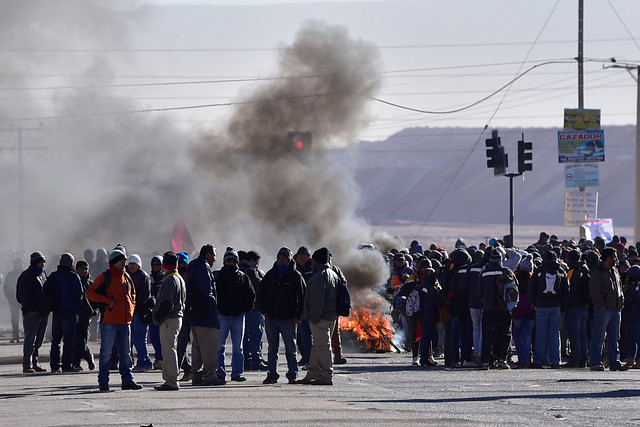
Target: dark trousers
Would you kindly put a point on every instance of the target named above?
(461, 341)
(81, 350)
(412, 329)
(184, 361)
(35, 326)
(63, 329)
(336, 341)
(496, 335)
(427, 319)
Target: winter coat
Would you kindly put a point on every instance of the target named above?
(282, 297)
(488, 279)
(605, 289)
(200, 280)
(10, 283)
(66, 291)
(474, 285)
(631, 310)
(171, 298)
(524, 309)
(255, 275)
(320, 296)
(579, 277)
(142, 283)
(87, 309)
(549, 286)
(235, 293)
(459, 291)
(121, 291)
(29, 291)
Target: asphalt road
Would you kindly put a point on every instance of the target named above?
(372, 388)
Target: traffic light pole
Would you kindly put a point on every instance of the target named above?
(511, 176)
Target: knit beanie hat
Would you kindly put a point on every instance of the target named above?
(183, 256)
(135, 258)
(321, 256)
(286, 252)
(526, 263)
(170, 261)
(634, 272)
(157, 259)
(303, 250)
(231, 255)
(573, 256)
(116, 256)
(495, 256)
(36, 257)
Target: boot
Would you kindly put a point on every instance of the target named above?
(637, 364)
(630, 362)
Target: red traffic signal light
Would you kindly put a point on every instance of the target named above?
(299, 141)
(299, 145)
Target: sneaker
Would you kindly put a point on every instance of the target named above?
(131, 386)
(320, 381)
(339, 360)
(618, 367)
(104, 387)
(270, 380)
(157, 364)
(139, 369)
(38, 368)
(599, 367)
(293, 380)
(166, 387)
(555, 366)
(238, 378)
(468, 364)
(216, 381)
(416, 361)
(28, 371)
(503, 365)
(187, 376)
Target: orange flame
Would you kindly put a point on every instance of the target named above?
(369, 326)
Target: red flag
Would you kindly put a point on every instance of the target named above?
(181, 239)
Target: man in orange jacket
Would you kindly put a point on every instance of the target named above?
(114, 289)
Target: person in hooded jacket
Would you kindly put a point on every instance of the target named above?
(254, 320)
(141, 313)
(631, 312)
(81, 350)
(29, 293)
(549, 292)
(156, 276)
(281, 299)
(479, 259)
(236, 298)
(432, 294)
(577, 313)
(65, 289)
(461, 331)
(523, 314)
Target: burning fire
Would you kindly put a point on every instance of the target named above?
(372, 328)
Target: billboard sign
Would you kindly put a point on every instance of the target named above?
(579, 206)
(581, 119)
(584, 146)
(581, 175)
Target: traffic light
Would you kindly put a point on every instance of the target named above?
(496, 157)
(524, 155)
(299, 141)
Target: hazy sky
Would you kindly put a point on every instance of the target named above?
(437, 56)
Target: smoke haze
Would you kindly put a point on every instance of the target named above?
(108, 178)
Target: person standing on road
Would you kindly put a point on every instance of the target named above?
(87, 311)
(320, 311)
(157, 273)
(10, 283)
(34, 313)
(119, 297)
(605, 289)
(254, 320)
(281, 300)
(236, 298)
(167, 314)
(140, 326)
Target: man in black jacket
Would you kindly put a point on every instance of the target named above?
(34, 312)
(577, 313)
(236, 298)
(141, 313)
(282, 301)
(254, 320)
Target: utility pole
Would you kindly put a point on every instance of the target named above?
(636, 205)
(580, 55)
(20, 149)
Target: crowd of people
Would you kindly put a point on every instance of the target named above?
(178, 302)
(553, 300)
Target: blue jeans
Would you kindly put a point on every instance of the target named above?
(605, 321)
(233, 325)
(521, 333)
(633, 341)
(286, 328)
(120, 336)
(154, 337)
(63, 328)
(575, 319)
(139, 339)
(461, 338)
(547, 348)
(254, 327)
(476, 320)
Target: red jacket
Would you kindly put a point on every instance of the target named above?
(121, 291)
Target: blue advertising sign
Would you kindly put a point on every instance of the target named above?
(581, 175)
(580, 146)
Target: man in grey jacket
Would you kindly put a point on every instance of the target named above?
(605, 290)
(320, 311)
(167, 314)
